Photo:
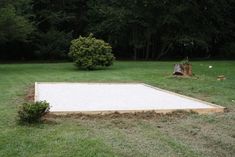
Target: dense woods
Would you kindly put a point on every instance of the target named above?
(136, 29)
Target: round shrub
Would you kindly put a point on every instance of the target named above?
(89, 53)
(33, 112)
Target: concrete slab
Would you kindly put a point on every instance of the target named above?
(121, 97)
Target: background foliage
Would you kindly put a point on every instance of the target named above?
(136, 29)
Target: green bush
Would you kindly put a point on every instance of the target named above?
(89, 53)
(33, 112)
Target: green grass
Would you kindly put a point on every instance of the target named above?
(193, 135)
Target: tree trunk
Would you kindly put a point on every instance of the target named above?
(183, 69)
(187, 69)
(148, 43)
(135, 54)
(147, 50)
(178, 69)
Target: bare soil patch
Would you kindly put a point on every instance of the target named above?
(30, 92)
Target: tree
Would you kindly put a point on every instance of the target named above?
(13, 27)
(52, 45)
(136, 29)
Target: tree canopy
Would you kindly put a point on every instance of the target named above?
(136, 29)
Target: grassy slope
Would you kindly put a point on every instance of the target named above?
(212, 135)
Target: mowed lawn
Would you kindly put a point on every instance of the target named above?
(191, 135)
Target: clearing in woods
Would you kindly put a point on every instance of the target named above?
(140, 135)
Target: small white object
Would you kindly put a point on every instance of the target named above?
(210, 66)
(233, 100)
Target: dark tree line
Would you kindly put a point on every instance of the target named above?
(136, 29)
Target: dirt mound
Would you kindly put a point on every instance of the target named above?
(115, 115)
(30, 93)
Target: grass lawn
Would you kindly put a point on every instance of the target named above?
(192, 135)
